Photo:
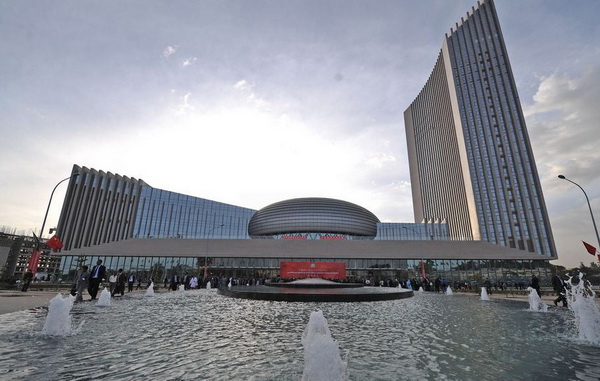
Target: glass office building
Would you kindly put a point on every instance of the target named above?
(478, 203)
(470, 158)
(155, 233)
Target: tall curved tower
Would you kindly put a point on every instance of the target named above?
(470, 158)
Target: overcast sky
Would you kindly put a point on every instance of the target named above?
(252, 102)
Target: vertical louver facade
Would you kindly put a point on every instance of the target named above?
(470, 157)
(99, 207)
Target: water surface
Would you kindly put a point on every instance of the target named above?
(200, 335)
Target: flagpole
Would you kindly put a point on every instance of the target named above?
(589, 206)
(35, 256)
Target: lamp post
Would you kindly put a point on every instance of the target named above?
(589, 206)
(206, 252)
(35, 253)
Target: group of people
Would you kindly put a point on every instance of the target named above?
(91, 281)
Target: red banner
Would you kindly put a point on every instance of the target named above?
(34, 260)
(325, 270)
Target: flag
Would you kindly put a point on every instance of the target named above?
(590, 249)
(423, 269)
(54, 243)
(34, 259)
(36, 241)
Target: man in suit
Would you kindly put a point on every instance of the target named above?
(174, 282)
(121, 281)
(98, 273)
(561, 291)
(130, 282)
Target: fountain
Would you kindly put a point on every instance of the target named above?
(580, 297)
(181, 288)
(58, 320)
(484, 294)
(449, 291)
(535, 302)
(104, 299)
(421, 289)
(150, 290)
(316, 290)
(322, 359)
(385, 340)
(208, 285)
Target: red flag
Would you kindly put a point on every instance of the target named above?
(590, 249)
(423, 269)
(54, 243)
(34, 259)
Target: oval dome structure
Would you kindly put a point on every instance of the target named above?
(313, 215)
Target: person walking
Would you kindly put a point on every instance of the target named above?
(561, 291)
(27, 278)
(535, 284)
(130, 282)
(121, 280)
(112, 282)
(82, 282)
(98, 274)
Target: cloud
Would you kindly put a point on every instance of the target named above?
(241, 85)
(379, 159)
(563, 122)
(184, 106)
(190, 61)
(168, 51)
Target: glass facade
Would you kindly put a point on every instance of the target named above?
(164, 214)
(469, 151)
(513, 273)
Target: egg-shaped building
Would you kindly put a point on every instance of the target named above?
(313, 215)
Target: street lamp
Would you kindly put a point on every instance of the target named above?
(589, 206)
(206, 252)
(35, 254)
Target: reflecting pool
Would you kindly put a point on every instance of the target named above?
(200, 335)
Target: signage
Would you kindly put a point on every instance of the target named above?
(324, 270)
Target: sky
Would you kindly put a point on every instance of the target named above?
(250, 102)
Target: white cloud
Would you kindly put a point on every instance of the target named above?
(168, 51)
(563, 124)
(190, 61)
(184, 106)
(379, 159)
(242, 84)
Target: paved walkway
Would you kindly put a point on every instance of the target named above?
(14, 300)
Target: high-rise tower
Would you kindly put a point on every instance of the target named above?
(470, 158)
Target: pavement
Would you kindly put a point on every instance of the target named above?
(16, 300)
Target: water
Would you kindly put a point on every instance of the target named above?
(484, 294)
(150, 290)
(535, 302)
(322, 359)
(104, 299)
(449, 291)
(58, 319)
(581, 301)
(200, 335)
